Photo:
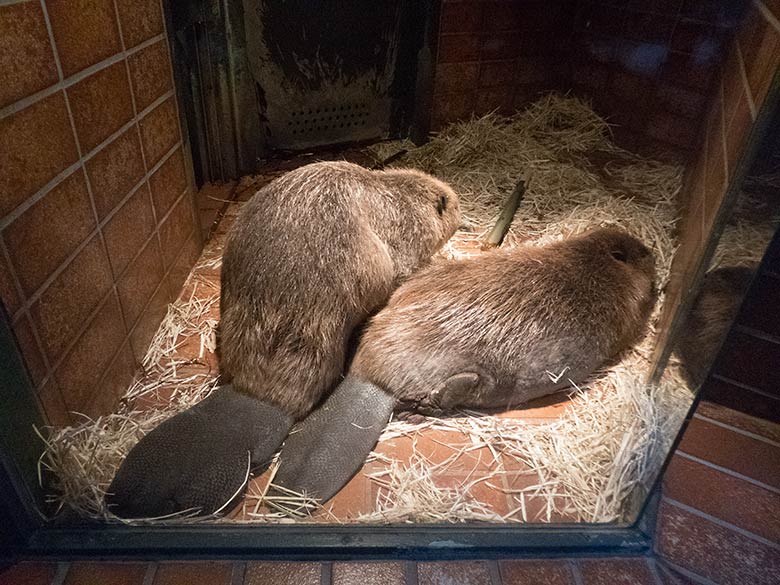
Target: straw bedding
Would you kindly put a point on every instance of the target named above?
(609, 441)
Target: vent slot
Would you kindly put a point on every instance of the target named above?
(310, 121)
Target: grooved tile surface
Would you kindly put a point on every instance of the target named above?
(85, 32)
(140, 20)
(29, 573)
(159, 131)
(36, 144)
(26, 58)
(101, 105)
(128, 229)
(139, 282)
(36, 253)
(175, 230)
(369, 573)
(106, 573)
(616, 572)
(150, 73)
(67, 302)
(282, 573)
(168, 182)
(532, 572)
(460, 572)
(86, 362)
(736, 501)
(115, 170)
(31, 352)
(727, 448)
(195, 573)
(713, 551)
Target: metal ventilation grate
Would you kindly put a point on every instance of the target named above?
(306, 122)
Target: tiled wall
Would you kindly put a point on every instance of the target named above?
(719, 515)
(741, 89)
(496, 55)
(96, 216)
(650, 66)
(647, 66)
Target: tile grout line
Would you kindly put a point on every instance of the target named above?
(727, 471)
(652, 567)
(745, 83)
(172, 80)
(136, 118)
(695, 577)
(185, 148)
(736, 430)
(24, 312)
(54, 50)
(494, 571)
(706, 154)
(722, 523)
(574, 572)
(770, 18)
(238, 574)
(744, 386)
(758, 333)
(128, 341)
(326, 573)
(116, 277)
(723, 144)
(130, 327)
(101, 303)
(68, 171)
(62, 571)
(150, 574)
(16, 283)
(410, 573)
(54, 366)
(99, 226)
(82, 330)
(156, 289)
(67, 82)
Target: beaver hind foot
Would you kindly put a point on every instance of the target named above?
(329, 446)
(198, 461)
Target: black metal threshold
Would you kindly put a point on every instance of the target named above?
(329, 542)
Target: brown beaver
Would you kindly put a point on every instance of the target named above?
(709, 319)
(494, 330)
(311, 255)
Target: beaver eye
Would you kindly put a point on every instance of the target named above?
(441, 207)
(619, 255)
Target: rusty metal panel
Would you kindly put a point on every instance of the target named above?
(323, 68)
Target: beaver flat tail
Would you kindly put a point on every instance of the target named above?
(228, 433)
(329, 446)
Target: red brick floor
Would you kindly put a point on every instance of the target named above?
(622, 571)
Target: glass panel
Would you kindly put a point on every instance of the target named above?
(335, 305)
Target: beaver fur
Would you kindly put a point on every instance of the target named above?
(310, 256)
(516, 318)
(491, 331)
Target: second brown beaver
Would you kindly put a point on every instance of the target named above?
(495, 330)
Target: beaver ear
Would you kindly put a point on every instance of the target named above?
(441, 206)
(619, 255)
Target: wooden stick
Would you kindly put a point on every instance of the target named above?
(504, 221)
(392, 158)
